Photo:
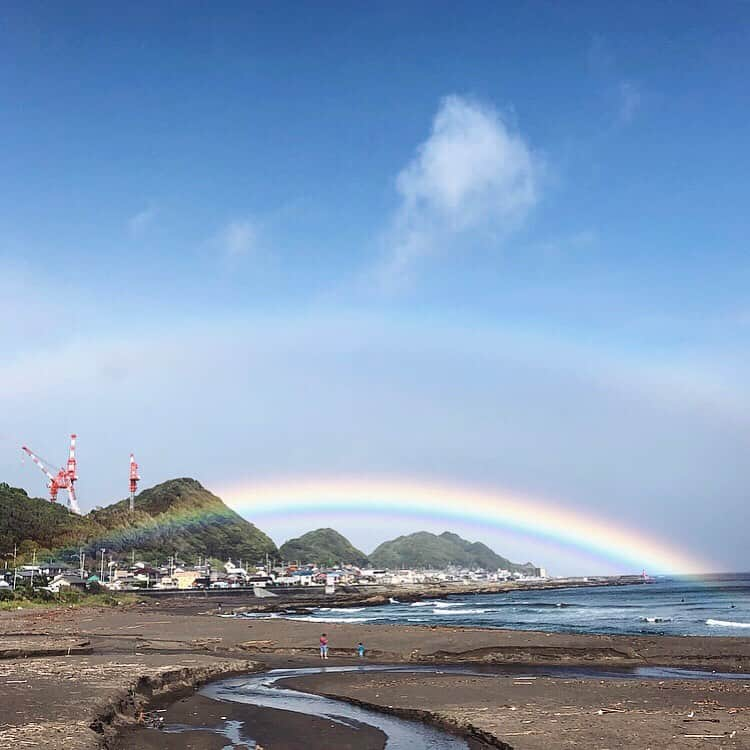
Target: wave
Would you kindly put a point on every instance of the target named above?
(313, 618)
(728, 623)
(543, 605)
(656, 619)
(425, 603)
(259, 615)
(461, 611)
(340, 609)
(446, 605)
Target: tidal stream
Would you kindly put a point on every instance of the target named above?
(263, 689)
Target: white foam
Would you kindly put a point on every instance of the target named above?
(260, 615)
(340, 609)
(424, 604)
(311, 618)
(460, 611)
(728, 623)
(451, 604)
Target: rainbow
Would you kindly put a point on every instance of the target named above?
(467, 505)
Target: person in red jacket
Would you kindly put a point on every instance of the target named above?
(323, 646)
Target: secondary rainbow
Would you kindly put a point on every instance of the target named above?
(499, 509)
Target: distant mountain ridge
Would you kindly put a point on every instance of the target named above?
(323, 546)
(181, 517)
(426, 550)
(178, 517)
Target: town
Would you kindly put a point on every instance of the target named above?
(209, 574)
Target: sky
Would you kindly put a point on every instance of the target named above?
(504, 244)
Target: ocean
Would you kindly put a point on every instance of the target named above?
(718, 606)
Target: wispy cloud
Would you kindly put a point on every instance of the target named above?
(679, 424)
(140, 222)
(629, 101)
(238, 239)
(474, 172)
(622, 94)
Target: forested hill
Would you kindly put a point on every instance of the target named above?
(30, 521)
(432, 551)
(322, 546)
(178, 517)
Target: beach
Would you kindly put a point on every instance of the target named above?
(65, 671)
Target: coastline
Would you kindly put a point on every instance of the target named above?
(304, 599)
(126, 657)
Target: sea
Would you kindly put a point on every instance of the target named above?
(708, 606)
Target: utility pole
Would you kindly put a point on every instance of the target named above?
(101, 574)
(82, 557)
(15, 568)
(33, 565)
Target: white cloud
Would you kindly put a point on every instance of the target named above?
(630, 101)
(474, 172)
(238, 239)
(140, 222)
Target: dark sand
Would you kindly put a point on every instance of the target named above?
(50, 702)
(275, 730)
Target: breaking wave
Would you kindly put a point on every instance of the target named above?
(314, 618)
(727, 624)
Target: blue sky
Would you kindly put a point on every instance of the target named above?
(506, 243)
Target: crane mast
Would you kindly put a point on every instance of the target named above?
(134, 479)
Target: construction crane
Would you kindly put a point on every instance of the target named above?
(134, 479)
(63, 479)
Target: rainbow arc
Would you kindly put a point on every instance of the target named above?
(466, 505)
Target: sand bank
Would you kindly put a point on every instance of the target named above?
(139, 651)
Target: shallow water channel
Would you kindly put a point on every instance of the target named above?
(264, 690)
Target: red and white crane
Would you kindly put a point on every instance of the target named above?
(134, 479)
(63, 479)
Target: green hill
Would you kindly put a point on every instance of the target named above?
(30, 522)
(323, 546)
(179, 517)
(426, 550)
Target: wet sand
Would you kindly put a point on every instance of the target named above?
(51, 701)
(272, 729)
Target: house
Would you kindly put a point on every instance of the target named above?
(235, 572)
(63, 581)
(55, 568)
(185, 579)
